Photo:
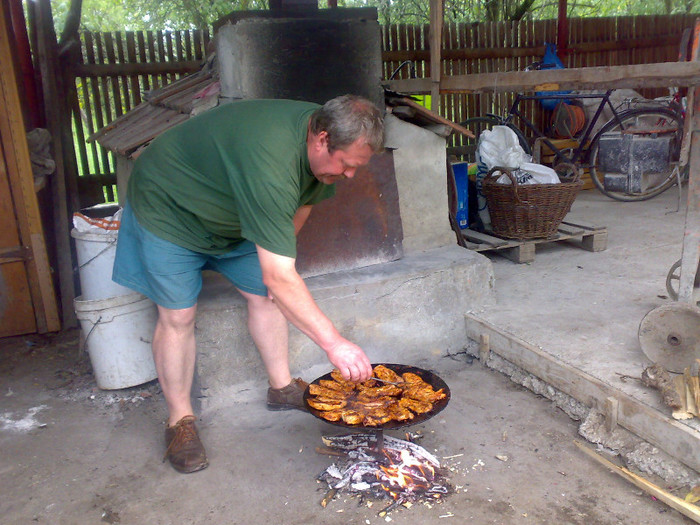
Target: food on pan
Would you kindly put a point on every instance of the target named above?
(373, 402)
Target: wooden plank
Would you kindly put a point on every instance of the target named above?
(101, 99)
(674, 438)
(134, 87)
(179, 52)
(676, 503)
(189, 50)
(160, 47)
(666, 74)
(151, 46)
(157, 68)
(570, 229)
(93, 109)
(124, 81)
(484, 238)
(109, 46)
(143, 57)
(199, 51)
(581, 224)
(169, 53)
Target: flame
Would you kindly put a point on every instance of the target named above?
(400, 475)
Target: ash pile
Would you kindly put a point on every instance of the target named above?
(374, 467)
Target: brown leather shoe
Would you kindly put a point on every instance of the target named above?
(185, 450)
(289, 397)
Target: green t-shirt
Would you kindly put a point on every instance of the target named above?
(239, 171)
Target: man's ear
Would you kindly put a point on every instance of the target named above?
(322, 140)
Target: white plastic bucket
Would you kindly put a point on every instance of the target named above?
(117, 333)
(95, 260)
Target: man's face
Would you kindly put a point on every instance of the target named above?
(341, 164)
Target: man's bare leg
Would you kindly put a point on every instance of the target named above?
(270, 332)
(174, 356)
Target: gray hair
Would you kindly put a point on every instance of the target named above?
(346, 119)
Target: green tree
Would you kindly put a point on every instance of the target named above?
(120, 15)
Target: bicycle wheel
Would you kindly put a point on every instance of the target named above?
(479, 124)
(635, 158)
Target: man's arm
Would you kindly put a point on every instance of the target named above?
(294, 300)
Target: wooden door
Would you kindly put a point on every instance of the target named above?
(27, 297)
(16, 310)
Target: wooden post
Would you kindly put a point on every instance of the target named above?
(436, 22)
(484, 348)
(59, 192)
(611, 407)
(562, 28)
(691, 237)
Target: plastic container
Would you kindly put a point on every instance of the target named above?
(461, 172)
(117, 332)
(95, 260)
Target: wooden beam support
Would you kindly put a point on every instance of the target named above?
(664, 74)
(691, 237)
(436, 24)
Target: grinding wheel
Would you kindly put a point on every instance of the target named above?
(670, 335)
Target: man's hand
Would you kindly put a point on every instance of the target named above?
(352, 362)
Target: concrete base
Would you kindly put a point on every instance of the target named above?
(403, 311)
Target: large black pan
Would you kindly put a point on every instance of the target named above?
(429, 377)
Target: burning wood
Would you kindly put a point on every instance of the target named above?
(383, 467)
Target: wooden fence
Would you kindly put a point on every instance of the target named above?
(114, 72)
(116, 68)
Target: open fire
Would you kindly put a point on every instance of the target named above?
(382, 467)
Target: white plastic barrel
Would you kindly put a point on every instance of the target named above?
(95, 260)
(117, 332)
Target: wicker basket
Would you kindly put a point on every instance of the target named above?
(527, 211)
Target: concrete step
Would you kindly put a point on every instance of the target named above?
(404, 311)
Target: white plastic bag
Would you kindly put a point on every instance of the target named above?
(530, 173)
(498, 146)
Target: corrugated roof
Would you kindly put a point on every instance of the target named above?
(164, 108)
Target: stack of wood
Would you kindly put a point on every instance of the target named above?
(681, 393)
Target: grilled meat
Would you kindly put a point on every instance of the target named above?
(373, 403)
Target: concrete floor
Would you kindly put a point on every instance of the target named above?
(584, 309)
(72, 454)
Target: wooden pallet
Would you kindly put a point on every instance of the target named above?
(591, 238)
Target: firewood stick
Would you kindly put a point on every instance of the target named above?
(328, 497)
(329, 451)
(685, 508)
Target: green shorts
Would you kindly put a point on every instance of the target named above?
(170, 275)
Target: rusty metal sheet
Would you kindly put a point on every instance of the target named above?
(358, 227)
